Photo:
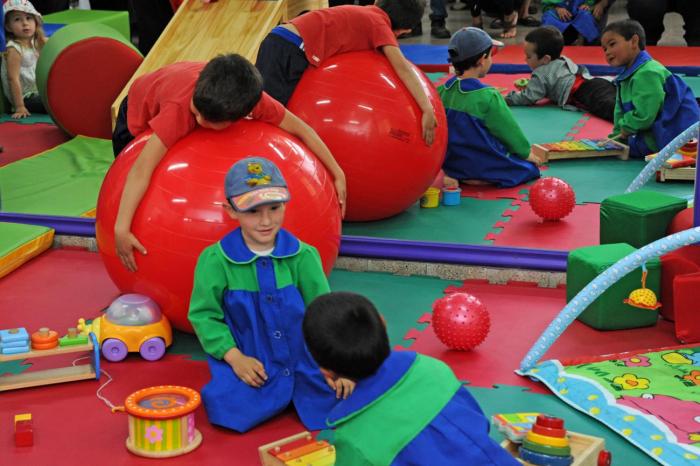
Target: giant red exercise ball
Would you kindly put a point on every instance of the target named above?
(181, 213)
(460, 321)
(372, 125)
(552, 198)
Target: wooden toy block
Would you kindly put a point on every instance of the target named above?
(584, 448)
(24, 430)
(73, 338)
(681, 173)
(12, 335)
(582, 148)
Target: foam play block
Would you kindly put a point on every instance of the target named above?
(637, 218)
(118, 20)
(676, 263)
(608, 311)
(686, 312)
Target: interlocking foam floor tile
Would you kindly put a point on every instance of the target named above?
(519, 314)
(526, 230)
(590, 127)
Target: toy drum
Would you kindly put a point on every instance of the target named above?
(161, 421)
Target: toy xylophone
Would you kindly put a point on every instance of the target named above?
(580, 148)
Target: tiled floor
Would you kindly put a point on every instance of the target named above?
(457, 19)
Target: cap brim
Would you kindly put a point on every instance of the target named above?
(258, 197)
(497, 45)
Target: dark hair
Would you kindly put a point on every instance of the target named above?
(628, 28)
(462, 66)
(228, 88)
(345, 334)
(403, 14)
(547, 40)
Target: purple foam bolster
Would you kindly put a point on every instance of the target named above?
(73, 226)
(362, 246)
(450, 253)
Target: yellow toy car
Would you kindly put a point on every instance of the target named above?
(132, 323)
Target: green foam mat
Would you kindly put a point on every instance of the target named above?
(545, 123)
(30, 120)
(402, 300)
(14, 235)
(118, 20)
(594, 181)
(467, 223)
(693, 83)
(508, 399)
(64, 180)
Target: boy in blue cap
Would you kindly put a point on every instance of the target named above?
(485, 144)
(406, 408)
(247, 305)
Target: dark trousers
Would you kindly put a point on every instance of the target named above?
(650, 13)
(281, 65)
(34, 104)
(121, 136)
(597, 96)
(151, 17)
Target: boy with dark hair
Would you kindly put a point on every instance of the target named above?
(177, 98)
(653, 106)
(485, 143)
(311, 38)
(559, 79)
(444, 425)
(248, 299)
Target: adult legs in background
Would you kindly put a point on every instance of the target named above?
(151, 17)
(438, 15)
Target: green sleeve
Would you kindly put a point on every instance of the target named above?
(206, 304)
(617, 116)
(500, 122)
(311, 281)
(348, 455)
(647, 93)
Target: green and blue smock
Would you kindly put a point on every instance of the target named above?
(484, 140)
(582, 20)
(653, 105)
(413, 411)
(257, 303)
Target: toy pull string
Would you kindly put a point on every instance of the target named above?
(104, 399)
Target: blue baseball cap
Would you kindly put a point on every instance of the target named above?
(255, 181)
(469, 42)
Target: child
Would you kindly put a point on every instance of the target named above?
(25, 39)
(311, 38)
(576, 19)
(485, 143)
(653, 106)
(175, 99)
(406, 408)
(561, 80)
(250, 291)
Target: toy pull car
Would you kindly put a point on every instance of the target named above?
(132, 323)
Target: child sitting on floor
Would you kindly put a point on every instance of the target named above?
(406, 408)
(485, 143)
(653, 106)
(250, 291)
(559, 79)
(25, 39)
(577, 20)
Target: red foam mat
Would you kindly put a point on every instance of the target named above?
(526, 230)
(519, 313)
(669, 56)
(591, 127)
(20, 141)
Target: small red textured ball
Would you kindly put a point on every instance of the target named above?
(460, 321)
(552, 198)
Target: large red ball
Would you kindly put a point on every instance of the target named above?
(181, 213)
(460, 321)
(372, 125)
(552, 198)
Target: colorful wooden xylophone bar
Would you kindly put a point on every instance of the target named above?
(580, 148)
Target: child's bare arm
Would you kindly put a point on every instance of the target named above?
(135, 187)
(294, 125)
(14, 62)
(408, 76)
(535, 91)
